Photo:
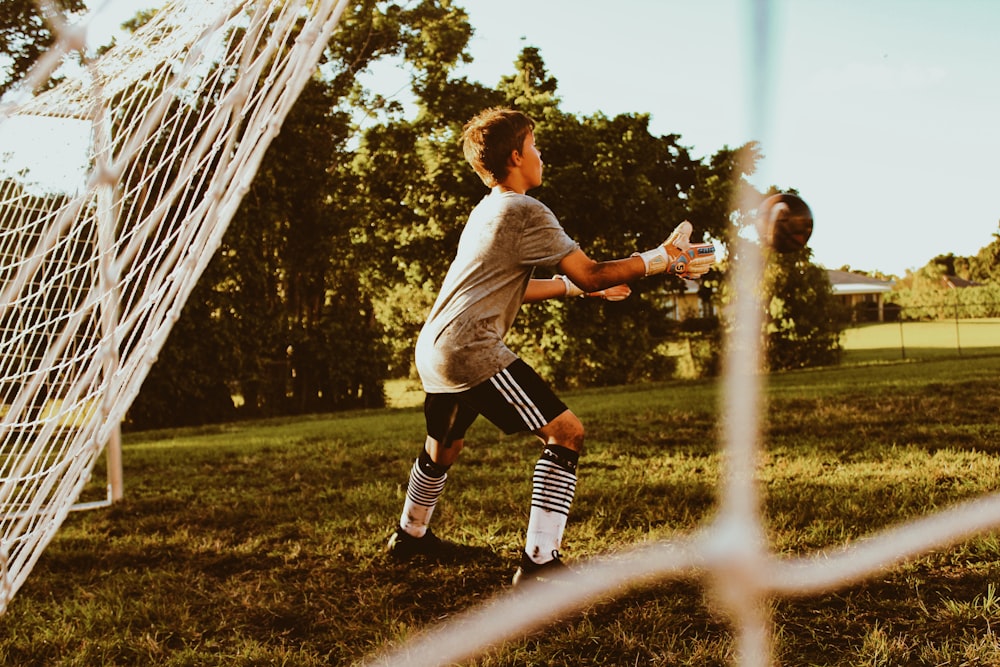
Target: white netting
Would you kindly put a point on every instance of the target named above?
(95, 268)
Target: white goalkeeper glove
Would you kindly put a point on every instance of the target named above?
(678, 256)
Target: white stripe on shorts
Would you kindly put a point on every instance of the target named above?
(515, 396)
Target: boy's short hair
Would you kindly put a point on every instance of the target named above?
(489, 139)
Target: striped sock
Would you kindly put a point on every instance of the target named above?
(552, 487)
(422, 492)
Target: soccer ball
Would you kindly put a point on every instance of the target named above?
(784, 222)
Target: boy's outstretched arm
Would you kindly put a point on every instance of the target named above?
(559, 287)
(591, 275)
(676, 256)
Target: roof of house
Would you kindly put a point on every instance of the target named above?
(846, 282)
(956, 282)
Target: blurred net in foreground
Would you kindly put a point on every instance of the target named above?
(169, 128)
(730, 556)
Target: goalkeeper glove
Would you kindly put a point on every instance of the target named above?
(678, 256)
(694, 262)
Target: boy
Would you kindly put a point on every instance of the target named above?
(464, 366)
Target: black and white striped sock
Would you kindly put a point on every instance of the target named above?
(552, 488)
(425, 486)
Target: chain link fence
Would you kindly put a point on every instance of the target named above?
(922, 331)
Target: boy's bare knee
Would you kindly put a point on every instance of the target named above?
(565, 430)
(443, 453)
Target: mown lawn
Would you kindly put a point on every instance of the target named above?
(895, 341)
(261, 544)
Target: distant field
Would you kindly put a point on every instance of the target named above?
(921, 340)
(869, 343)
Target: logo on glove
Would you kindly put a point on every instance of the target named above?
(696, 253)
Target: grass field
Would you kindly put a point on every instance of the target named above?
(260, 544)
(921, 340)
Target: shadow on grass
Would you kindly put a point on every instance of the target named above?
(904, 353)
(934, 416)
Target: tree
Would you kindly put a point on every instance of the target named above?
(25, 34)
(614, 186)
(985, 265)
(284, 294)
(188, 385)
(803, 319)
(925, 293)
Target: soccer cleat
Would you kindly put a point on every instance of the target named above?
(402, 546)
(552, 572)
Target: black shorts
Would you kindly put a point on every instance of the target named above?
(516, 399)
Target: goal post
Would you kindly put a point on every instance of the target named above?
(99, 253)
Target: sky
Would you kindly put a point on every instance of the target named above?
(883, 114)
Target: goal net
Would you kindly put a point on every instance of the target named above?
(146, 152)
(116, 187)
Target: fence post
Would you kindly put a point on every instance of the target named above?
(958, 336)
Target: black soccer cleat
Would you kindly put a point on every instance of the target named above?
(403, 547)
(551, 572)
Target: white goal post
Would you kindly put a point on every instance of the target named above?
(95, 265)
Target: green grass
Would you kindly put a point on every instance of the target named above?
(260, 544)
(921, 340)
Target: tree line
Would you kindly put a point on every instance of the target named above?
(325, 274)
(952, 286)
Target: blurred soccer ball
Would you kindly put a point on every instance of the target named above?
(784, 222)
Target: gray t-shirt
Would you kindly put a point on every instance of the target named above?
(507, 236)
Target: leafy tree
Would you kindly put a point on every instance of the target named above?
(291, 226)
(985, 265)
(615, 187)
(924, 294)
(188, 385)
(804, 319)
(25, 34)
(284, 292)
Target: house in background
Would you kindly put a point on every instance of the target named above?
(863, 296)
(954, 282)
(689, 303)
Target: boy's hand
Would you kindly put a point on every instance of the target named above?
(678, 256)
(694, 262)
(679, 239)
(616, 293)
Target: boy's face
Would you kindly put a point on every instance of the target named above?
(531, 164)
